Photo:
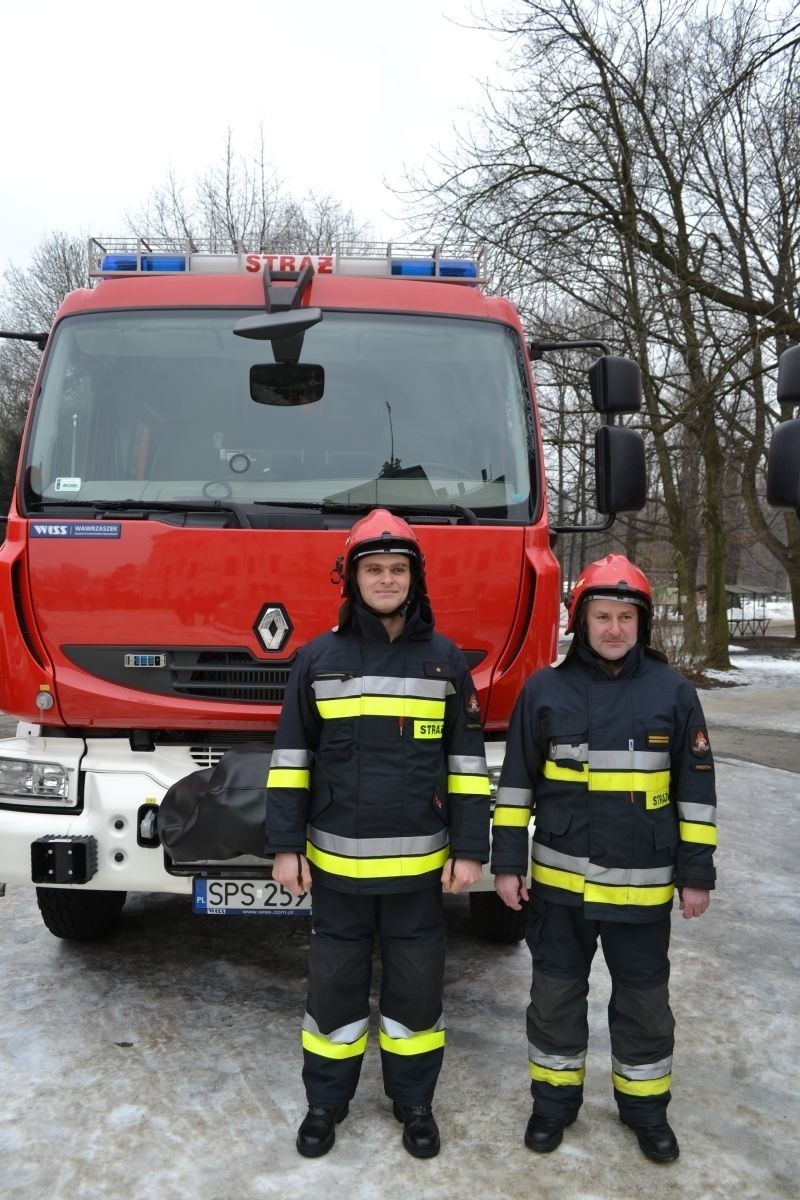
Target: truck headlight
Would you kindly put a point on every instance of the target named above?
(34, 780)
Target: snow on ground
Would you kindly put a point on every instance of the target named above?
(759, 671)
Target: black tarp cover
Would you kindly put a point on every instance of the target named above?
(219, 812)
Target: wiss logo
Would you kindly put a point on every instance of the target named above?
(51, 530)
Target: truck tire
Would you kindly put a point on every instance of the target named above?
(494, 921)
(78, 915)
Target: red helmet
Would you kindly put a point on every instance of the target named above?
(611, 578)
(381, 532)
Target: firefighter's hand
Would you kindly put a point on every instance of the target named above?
(694, 901)
(292, 870)
(511, 889)
(460, 874)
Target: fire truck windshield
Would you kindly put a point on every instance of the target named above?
(156, 406)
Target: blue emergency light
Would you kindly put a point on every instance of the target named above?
(133, 263)
(430, 268)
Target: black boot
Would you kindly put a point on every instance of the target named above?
(420, 1131)
(317, 1131)
(545, 1133)
(657, 1142)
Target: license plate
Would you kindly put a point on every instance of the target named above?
(247, 897)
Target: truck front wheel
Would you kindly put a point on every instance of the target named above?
(78, 915)
(494, 921)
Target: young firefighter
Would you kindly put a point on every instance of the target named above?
(610, 751)
(378, 795)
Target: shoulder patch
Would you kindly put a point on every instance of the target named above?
(472, 705)
(700, 743)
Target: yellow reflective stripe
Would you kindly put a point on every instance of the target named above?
(599, 893)
(381, 706)
(316, 1044)
(557, 1078)
(566, 880)
(375, 868)
(504, 815)
(692, 832)
(287, 777)
(629, 781)
(418, 1043)
(641, 1087)
(468, 785)
(565, 774)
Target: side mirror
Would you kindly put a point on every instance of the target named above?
(789, 376)
(620, 471)
(783, 471)
(616, 385)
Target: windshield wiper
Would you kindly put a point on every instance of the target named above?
(146, 506)
(330, 505)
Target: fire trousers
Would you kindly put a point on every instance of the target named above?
(562, 943)
(410, 931)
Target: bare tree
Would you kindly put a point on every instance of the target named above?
(612, 172)
(241, 199)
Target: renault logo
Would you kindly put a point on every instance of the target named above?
(273, 627)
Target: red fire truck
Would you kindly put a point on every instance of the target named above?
(204, 429)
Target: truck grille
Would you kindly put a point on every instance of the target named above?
(228, 675)
(202, 673)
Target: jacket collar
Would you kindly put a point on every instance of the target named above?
(364, 625)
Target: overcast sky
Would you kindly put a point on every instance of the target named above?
(100, 101)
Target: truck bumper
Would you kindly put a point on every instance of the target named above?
(111, 787)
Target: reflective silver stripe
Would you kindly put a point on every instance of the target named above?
(343, 1036)
(394, 1029)
(628, 760)
(630, 876)
(556, 1062)
(578, 752)
(706, 813)
(511, 797)
(381, 685)
(466, 764)
(378, 847)
(291, 758)
(563, 862)
(645, 1070)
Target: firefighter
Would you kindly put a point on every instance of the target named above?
(377, 797)
(609, 750)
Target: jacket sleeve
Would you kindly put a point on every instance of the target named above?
(515, 795)
(692, 772)
(468, 801)
(289, 778)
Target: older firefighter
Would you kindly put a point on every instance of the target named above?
(609, 749)
(378, 795)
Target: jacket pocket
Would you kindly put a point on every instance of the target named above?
(440, 806)
(565, 745)
(320, 799)
(550, 821)
(336, 741)
(665, 836)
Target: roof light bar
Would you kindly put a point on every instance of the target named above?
(119, 257)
